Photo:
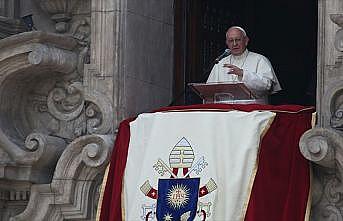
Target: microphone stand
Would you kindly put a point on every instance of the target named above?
(204, 77)
(208, 70)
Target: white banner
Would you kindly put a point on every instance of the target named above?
(218, 148)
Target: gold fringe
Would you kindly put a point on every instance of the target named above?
(253, 175)
(314, 119)
(122, 198)
(225, 110)
(102, 190)
(309, 199)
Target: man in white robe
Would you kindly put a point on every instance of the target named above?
(242, 65)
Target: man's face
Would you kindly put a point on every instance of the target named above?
(236, 41)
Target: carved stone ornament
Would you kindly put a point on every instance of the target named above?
(333, 94)
(324, 145)
(73, 190)
(61, 12)
(27, 60)
(321, 145)
(338, 19)
(47, 117)
(325, 148)
(333, 103)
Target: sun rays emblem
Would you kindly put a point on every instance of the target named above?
(168, 217)
(178, 196)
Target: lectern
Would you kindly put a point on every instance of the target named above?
(226, 92)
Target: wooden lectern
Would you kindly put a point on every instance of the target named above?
(226, 92)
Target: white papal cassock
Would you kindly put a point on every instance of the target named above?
(258, 73)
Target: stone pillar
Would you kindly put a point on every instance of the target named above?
(147, 59)
(323, 145)
(132, 54)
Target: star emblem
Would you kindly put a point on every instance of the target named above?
(168, 217)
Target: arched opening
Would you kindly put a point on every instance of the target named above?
(285, 32)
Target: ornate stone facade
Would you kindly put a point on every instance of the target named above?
(53, 141)
(63, 90)
(54, 146)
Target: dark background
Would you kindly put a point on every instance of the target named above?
(284, 31)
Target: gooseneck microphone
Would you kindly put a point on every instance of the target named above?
(226, 53)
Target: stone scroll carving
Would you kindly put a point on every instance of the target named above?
(71, 192)
(42, 93)
(319, 144)
(335, 96)
(325, 148)
(28, 61)
(56, 123)
(46, 120)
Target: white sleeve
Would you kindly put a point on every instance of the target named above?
(214, 77)
(261, 79)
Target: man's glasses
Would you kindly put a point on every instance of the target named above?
(234, 41)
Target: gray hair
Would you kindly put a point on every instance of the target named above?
(239, 28)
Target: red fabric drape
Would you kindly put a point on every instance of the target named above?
(281, 185)
(282, 182)
(111, 204)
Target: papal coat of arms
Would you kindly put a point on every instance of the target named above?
(178, 196)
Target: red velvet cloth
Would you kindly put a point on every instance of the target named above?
(111, 204)
(282, 182)
(281, 187)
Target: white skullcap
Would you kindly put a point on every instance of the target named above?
(239, 28)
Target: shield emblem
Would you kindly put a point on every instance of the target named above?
(177, 199)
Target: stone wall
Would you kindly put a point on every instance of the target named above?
(148, 57)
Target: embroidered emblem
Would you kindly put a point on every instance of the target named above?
(177, 196)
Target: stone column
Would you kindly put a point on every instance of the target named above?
(323, 145)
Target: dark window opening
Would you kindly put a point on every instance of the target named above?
(285, 32)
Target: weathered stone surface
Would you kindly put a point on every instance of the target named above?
(323, 145)
(10, 26)
(25, 144)
(63, 95)
(74, 184)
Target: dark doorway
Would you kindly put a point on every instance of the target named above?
(283, 31)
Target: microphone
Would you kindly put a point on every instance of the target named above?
(226, 53)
